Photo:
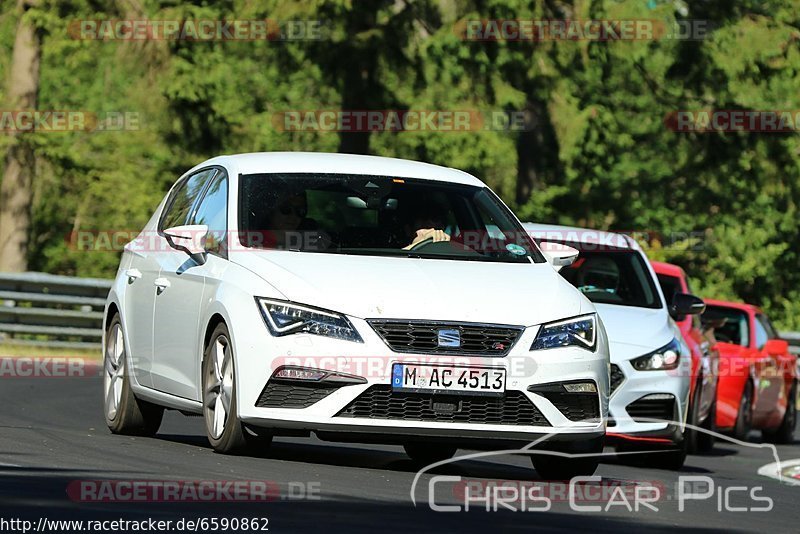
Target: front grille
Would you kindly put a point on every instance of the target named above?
(661, 407)
(574, 406)
(617, 378)
(282, 394)
(422, 337)
(381, 402)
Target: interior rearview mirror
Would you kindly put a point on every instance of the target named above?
(558, 254)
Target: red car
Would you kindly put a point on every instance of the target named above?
(758, 374)
(705, 360)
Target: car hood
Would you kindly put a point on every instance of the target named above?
(410, 288)
(634, 331)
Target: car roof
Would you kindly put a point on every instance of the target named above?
(541, 232)
(736, 305)
(321, 162)
(668, 269)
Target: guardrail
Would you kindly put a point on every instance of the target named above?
(67, 312)
(48, 310)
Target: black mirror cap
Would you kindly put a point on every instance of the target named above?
(684, 304)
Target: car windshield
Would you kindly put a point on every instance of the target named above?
(379, 216)
(670, 285)
(612, 276)
(730, 324)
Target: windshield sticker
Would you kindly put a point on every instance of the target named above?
(516, 249)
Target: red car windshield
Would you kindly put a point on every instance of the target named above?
(734, 328)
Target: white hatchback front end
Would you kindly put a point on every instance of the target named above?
(359, 298)
(650, 361)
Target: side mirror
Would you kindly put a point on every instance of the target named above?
(684, 304)
(558, 255)
(776, 347)
(190, 239)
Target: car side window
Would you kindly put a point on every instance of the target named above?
(762, 336)
(213, 212)
(771, 333)
(183, 199)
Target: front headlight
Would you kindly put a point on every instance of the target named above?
(284, 318)
(664, 359)
(575, 332)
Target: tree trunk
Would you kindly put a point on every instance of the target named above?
(358, 64)
(16, 188)
(537, 151)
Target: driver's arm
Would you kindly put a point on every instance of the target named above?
(425, 234)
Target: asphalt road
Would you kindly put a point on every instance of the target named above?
(52, 437)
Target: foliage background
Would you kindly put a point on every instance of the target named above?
(597, 153)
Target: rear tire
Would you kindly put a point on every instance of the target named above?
(124, 413)
(784, 434)
(428, 453)
(552, 467)
(744, 418)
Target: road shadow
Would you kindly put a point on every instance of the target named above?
(33, 493)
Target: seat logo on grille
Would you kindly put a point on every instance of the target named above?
(449, 338)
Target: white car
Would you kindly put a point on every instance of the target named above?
(650, 361)
(360, 298)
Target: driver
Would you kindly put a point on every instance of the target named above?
(287, 224)
(599, 273)
(427, 222)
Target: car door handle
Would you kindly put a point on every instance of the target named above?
(133, 275)
(161, 284)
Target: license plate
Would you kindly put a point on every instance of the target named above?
(431, 378)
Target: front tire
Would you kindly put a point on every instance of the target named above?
(428, 453)
(553, 467)
(690, 435)
(669, 459)
(784, 434)
(744, 418)
(124, 413)
(225, 431)
(698, 441)
(706, 440)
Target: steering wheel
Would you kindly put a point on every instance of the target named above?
(426, 243)
(444, 247)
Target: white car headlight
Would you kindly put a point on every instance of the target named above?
(284, 318)
(664, 359)
(576, 332)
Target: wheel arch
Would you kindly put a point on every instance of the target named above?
(111, 310)
(213, 322)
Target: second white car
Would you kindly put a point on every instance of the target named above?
(650, 361)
